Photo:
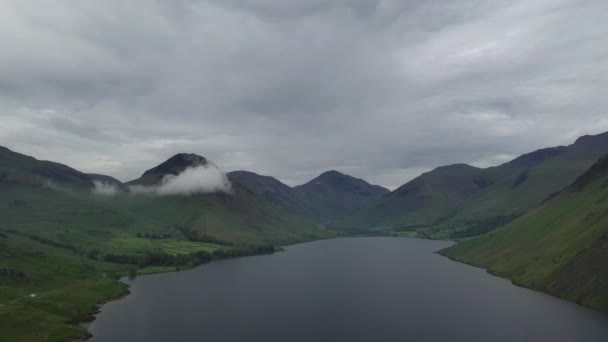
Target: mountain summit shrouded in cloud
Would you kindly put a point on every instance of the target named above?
(381, 90)
(182, 174)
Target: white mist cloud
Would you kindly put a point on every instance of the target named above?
(195, 180)
(103, 188)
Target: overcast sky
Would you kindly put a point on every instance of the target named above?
(381, 90)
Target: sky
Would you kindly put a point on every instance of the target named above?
(378, 89)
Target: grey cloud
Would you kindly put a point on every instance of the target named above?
(380, 89)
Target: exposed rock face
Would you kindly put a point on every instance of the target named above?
(177, 164)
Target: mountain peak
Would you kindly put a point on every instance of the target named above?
(177, 164)
(332, 174)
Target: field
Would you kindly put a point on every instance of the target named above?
(135, 245)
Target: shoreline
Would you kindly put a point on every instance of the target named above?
(540, 290)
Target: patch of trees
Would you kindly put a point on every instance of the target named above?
(17, 204)
(13, 275)
(409, 227)
(155, 258)
(153, 236)
(483, 226)
(243, 251)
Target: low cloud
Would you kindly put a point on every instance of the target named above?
(105, 189)
(195, 180)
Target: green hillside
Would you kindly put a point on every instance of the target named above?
(423, 201)
(560, 247)
(460, 201)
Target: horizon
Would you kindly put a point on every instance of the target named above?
(319, 173)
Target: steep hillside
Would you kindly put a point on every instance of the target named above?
(423, 201)
(465, 201)
(19, 168)
(560, 247)
(522, 183)
(334, 195)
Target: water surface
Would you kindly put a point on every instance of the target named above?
(349, 289)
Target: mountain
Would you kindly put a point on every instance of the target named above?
(172, 166)
(335, 195)
(104, 179)
(241, 216)
(560, 246)
(19, 168)
(275, 191)
(465, 201)
(523, 183)
(330, 196)
(423, 201)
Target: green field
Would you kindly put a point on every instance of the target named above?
(135, 245)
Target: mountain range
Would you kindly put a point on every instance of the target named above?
(539, 219)
(461, 200)
(329, 197)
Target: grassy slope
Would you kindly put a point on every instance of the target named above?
(560, 247)
(423, 201)
(67, 288)
(507, 198)
(242, 217)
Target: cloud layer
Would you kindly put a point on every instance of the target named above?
(382, 90)
(191, 181)
(195, 180)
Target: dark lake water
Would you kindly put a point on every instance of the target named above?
(350, 289)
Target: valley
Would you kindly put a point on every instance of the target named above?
(67, 237)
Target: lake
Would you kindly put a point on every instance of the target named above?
(347, 289)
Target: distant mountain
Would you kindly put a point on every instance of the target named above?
(275, 191)
(19, 168)
(104, 179)
(330, 196)
(423, 201)
(560, 247)
(465, 201)
(523, 183)
(172, 166)
(240, 216)
(335, 195)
